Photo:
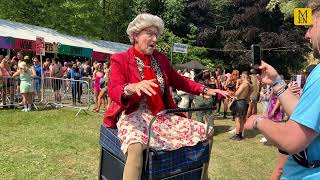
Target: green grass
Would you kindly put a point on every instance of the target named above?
(54, 144)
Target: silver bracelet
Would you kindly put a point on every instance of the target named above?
(282, 89)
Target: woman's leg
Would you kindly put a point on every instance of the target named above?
(108, 102)
(133, 167)
(100, 99)
(24, 101)
(277, 172)
(225, 107)
(96, 94)
(29, 100)
(219, 105)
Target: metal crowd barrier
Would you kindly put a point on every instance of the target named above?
(61, 92)
(9, 92)
(90, 83)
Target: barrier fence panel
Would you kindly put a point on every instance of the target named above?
(59, 92)
(9, 92)
(90, 88)
(67, 93)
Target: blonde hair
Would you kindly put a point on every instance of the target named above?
(234, 75)
(143, 21)
(23, 66)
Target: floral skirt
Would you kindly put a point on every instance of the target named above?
(169, 132)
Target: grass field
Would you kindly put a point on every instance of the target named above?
(54, 144)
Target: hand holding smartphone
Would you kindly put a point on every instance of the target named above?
(296, 79)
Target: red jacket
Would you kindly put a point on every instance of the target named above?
(124, 70)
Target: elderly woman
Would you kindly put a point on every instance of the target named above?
(140, 79)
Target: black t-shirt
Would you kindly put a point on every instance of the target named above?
(87, 71)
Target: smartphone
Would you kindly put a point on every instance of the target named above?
(296, 79)
(256, 57)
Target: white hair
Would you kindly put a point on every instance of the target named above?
(143, 21)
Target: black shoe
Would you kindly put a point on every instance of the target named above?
(236, 137)
(225, 115)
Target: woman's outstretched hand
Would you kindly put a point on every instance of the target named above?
(146, 86)
(212, 92)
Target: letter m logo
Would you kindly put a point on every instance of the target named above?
(302, 16)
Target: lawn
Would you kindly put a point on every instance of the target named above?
(54, 144)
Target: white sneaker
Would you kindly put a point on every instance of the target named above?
(29, 109)
(24, 110)
(263, 140)
(233, 131)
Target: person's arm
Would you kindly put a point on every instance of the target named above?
(182, 83)
(69, 75)
(302, 127)
(216, 83)
(226, 83)
(16, 73)
(41, 73)
(94, 75)
(290, 136)
(33, 72)
(287, 99)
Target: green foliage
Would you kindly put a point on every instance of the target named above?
(286, 6)
(218, 24)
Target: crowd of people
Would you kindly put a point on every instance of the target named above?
(24, 75)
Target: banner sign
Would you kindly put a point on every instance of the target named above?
(51, 47)
(180, 48)
(40, 47)
(7, 42)
(100, 56)
(24, 44)
(75, 51)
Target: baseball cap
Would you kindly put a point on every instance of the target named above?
(26, 57)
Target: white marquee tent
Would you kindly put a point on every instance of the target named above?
(29, 32)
